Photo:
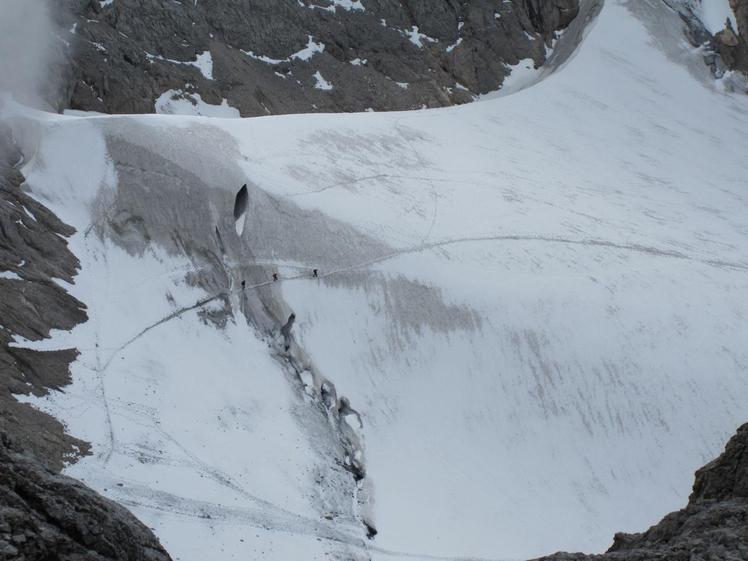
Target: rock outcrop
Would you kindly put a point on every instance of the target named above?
(725, 50)
(732, 44)
(713, 526)
(288, 56)
(34, 257)
(45, 516)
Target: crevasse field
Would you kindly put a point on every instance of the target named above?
(538, 304)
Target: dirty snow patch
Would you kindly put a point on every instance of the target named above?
(349, 5)
(306, 53)
(309, 51)
(523, 74)
(203, 62)
(263, 58)
(454, 45)
(321, 84)
(177, 102)
(417, 38)
(9, 275)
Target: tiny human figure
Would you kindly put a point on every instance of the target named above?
(244, 284)
(315, 273)
(275, 277)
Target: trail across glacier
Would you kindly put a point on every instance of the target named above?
(537, 303)
(637, 248)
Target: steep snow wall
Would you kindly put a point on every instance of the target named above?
(537, 305)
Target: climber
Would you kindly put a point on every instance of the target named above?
(275, 277)
(244, 284)
(315, 273)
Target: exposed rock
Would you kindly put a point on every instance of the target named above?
(726, 477)
(732, 44)
(45, 516)
(289, 56)
(724, 51)
(33, 253)
(714, 525)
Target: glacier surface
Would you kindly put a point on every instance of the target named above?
(536, 303)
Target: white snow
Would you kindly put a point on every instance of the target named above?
(537, 303)
(309, 51)
(358, 61)
(203, 62)
(305, 54)
(522, 75)
(321, 83)
(9, 275)
(240, 223)
(79, 113)
(178, 102)
(713, 14)
(454, 45)
(349, 5)
(416, 37)
(264, 58)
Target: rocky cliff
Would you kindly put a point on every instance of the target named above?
(713, 526)
(732, 44)
(45, 516)
(724, 44)
(290, 56)
(34, 259)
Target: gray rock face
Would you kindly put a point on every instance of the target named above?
(728, 49)
(732, 44)
(714, 525)
(45, 516)
(33, 252)
(289, 56)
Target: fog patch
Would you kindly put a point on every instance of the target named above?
(28, 48)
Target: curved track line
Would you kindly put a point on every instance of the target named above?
(137, 495)
(590, 242)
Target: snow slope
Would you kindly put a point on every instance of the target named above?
(714, 14)
(537, 304)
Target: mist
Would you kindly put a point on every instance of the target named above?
(28, 47)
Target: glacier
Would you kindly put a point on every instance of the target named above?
(536, 303)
